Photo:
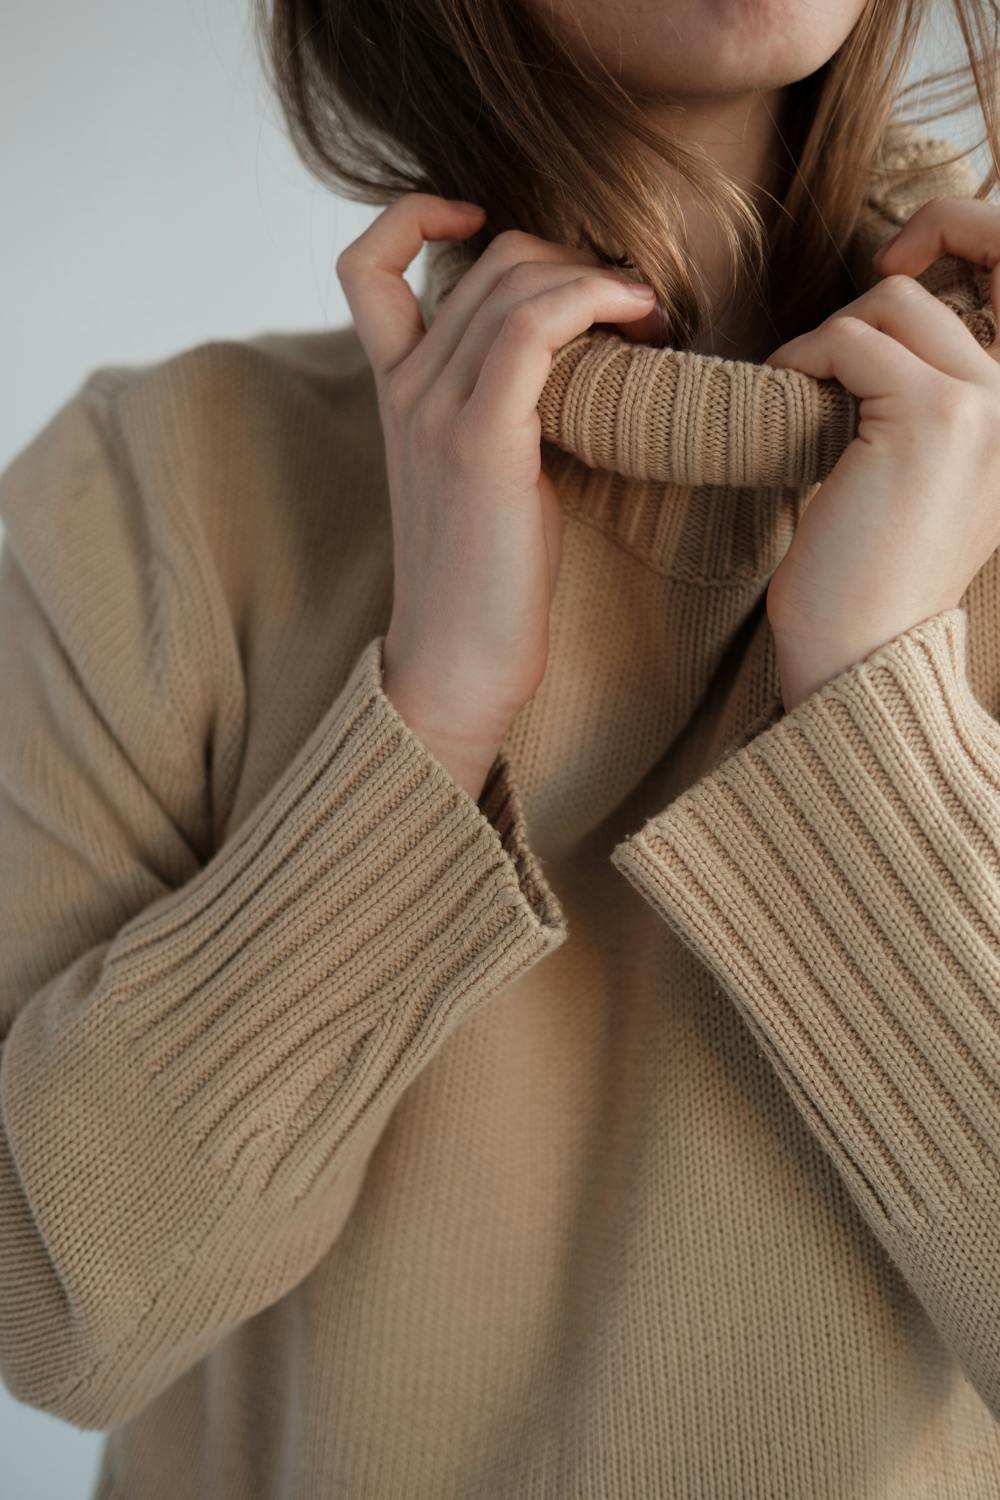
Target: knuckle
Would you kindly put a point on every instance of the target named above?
(404, 203)
(509, 245)
(353, 256)
(346, 262)
(397, 391)
(522, 276)
(595, 283)
(412, 204)
(929, 209)
(898, 285)
(520, 320)
(847, 326)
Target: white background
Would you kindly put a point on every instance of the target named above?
(150, 201)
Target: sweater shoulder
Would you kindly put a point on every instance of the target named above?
(329, 364)
(246, 423)
(914, 165)
(197, 421)
(184, 522)
(250, 467)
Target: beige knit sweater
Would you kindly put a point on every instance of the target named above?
(632, 1132)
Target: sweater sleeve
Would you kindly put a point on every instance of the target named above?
(839, 874)
(199, 1052)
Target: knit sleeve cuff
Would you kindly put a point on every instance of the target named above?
(839, 874)
(500, 803)
(364, 907)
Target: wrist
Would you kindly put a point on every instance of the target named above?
(468, 769)
(466, 755)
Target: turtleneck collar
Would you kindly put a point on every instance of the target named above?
(674, 417)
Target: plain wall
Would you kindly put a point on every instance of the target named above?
(151, 201)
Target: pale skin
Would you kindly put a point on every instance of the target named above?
(909, 514)
(477, 525)
(717, 72)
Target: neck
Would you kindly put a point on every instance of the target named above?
(743, 134)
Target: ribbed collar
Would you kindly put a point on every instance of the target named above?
(683, 418)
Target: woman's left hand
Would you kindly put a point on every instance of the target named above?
(910, 512)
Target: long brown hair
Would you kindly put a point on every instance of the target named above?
(477, 99)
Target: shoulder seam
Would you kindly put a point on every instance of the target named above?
(176, 520)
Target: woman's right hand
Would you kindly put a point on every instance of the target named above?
(477, 526)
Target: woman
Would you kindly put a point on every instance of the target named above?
(500, 959)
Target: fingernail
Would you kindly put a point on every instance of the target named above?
(639, 289)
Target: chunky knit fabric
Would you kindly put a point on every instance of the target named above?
(633, 1131)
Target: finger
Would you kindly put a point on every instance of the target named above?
(456, 381)
(966, 227)
(453, 318)
(868, 362)
(385, 311)
(517, 365)
(914, 317)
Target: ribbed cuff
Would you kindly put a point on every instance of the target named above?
(840, 876)
(296, 983)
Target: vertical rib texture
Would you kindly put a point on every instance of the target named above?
(630, 1131)
(840, 875)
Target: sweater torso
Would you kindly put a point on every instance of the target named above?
(597, 1251)
(608, 1241)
